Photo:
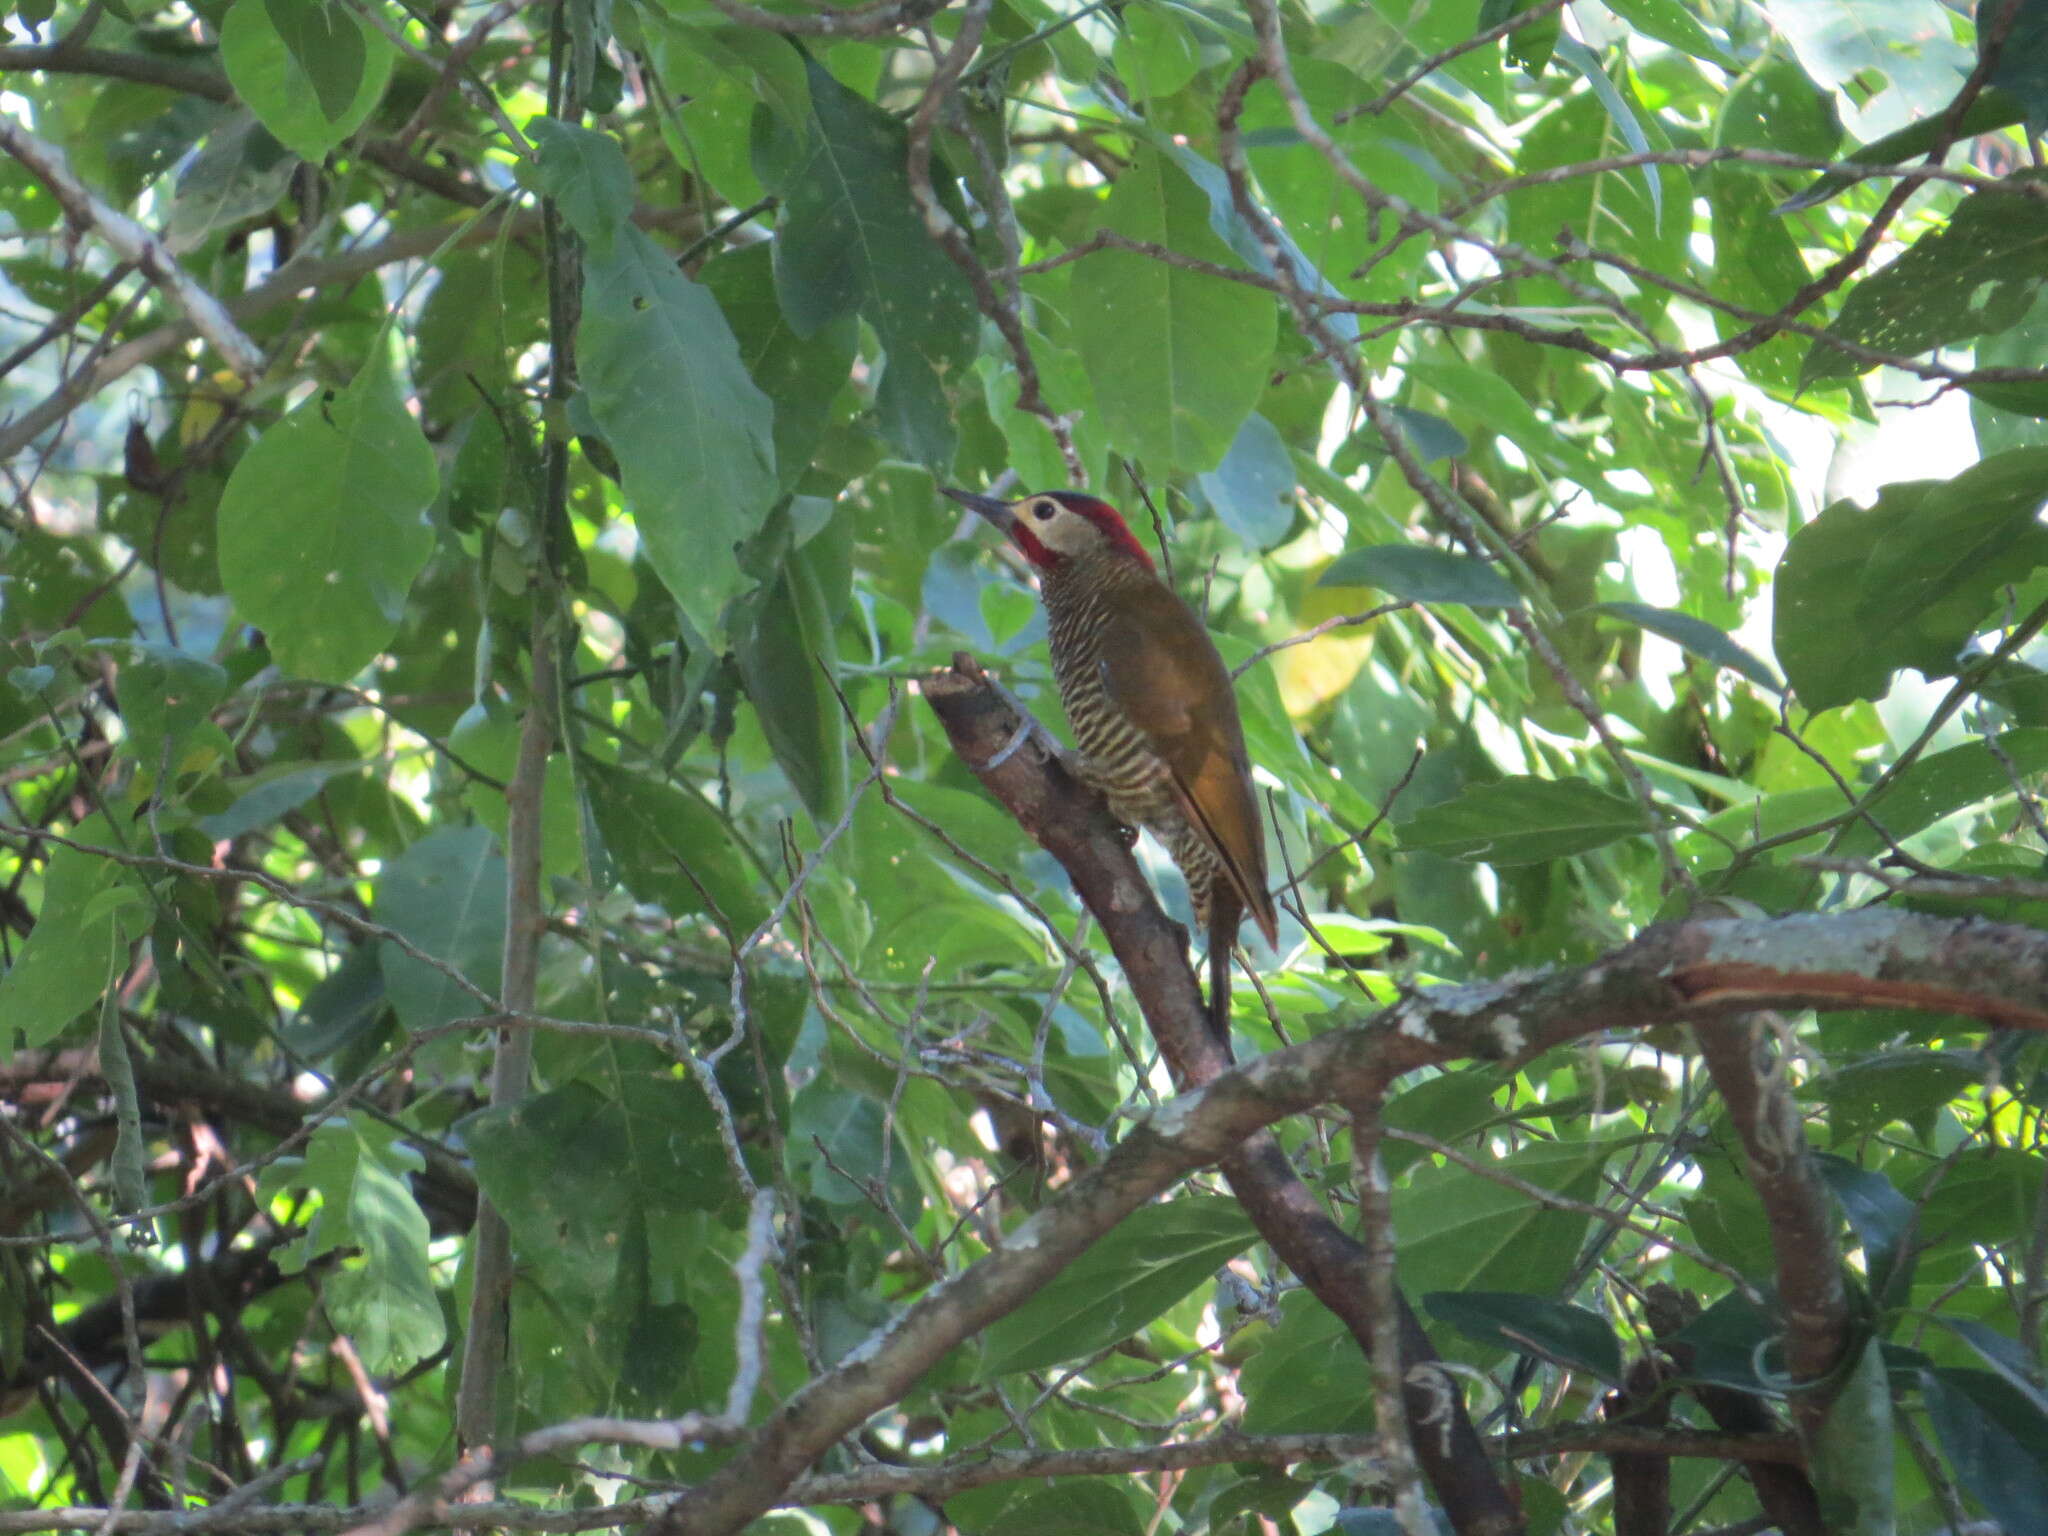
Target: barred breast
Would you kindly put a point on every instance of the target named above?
(1118, 759)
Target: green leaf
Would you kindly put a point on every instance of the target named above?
(1155, 55)
(2011, 414)
(2008, 1358)
(79, 940)
(1492, 406)
(382, 1295)
(1947, 782)
(837, 1146)
(326, 42)
(2022, 63)
(1151, 1260)
(788, 661)
(1905, 1086)
(342, 1010)
(571, 1168)
(849, 237)
(671, 849)
(1460, 1232)
(323, 527)
(1252, 490)
(800, 374)
(1995, 1438)
(446, 895)
(1446, 1108)
(265, 797)
(1073, 1507)
(1704, 640)
(1423, 575)
(1308, 1376)
(1177, 358)
(1532, 1325)
(1852, 1455)
(585, 172)
(241, 172)
(693, 434)
(1524, 820)
(1731, 1340)
(163, 693)
(1862, 592)
(305, 108)
(1614, 210)
(1670, 22)
(1993, 109)
(1881, 1218)
(1973, 277)
(1757, 263)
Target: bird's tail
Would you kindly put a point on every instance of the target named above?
(1223, 922)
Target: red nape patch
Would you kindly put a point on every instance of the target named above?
(1108, 519)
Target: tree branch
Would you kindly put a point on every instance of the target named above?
(132, 243)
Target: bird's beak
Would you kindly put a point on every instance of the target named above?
(997, 512)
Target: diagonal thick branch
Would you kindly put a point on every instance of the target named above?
(1699, 971)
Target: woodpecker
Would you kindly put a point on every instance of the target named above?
(1152, 710)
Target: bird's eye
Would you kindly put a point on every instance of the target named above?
(1043, 510)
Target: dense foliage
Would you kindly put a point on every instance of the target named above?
(501, 951)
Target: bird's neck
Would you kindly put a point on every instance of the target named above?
(1091, 576)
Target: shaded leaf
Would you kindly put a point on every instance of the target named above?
(1151, 1260)
(800, 374)
(1852, 1454)
(79, 939)
(671, 850)
(240, 173)
(1524, 820)
(1862, 592)
(446, 895)
(585, 172)
(1975, 276)
(849, 237)
(265, 797)
(1460, 1232)
(323, 527)
(1881, 1218)
(693, 435)
(1946, 782)
(382, 1295)
(572, 1168)
(788, 660)
(1993, 109)
(1532, 1325)
(1076, 1507)
(1994, 1438)
(326, 43)
(1423, 575)
(163, 693)
(1698, 636)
